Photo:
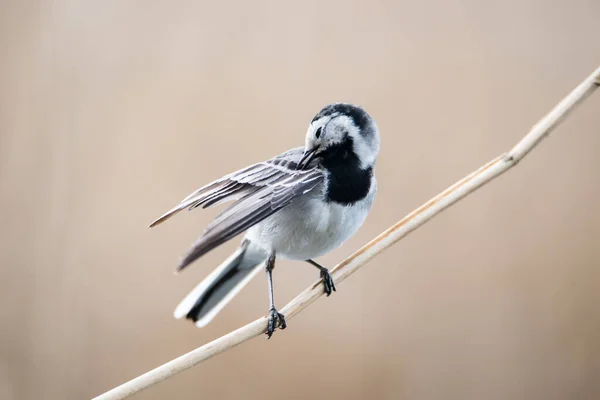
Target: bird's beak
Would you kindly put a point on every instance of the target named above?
(306, 159)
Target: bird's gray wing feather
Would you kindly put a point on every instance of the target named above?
(258, 191)
(240, 183)
(250, 210)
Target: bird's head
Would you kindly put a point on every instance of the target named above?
(341, 133)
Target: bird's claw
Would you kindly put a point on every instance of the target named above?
(327, 281)
(276, 320)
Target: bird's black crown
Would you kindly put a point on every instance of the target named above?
(358, 115)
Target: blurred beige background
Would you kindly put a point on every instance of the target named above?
(112, 111)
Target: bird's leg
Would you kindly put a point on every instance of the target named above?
(326, 276)
(275, 318)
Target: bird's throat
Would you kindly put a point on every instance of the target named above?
(347, 182)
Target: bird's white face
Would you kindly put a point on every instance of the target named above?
(338, 127)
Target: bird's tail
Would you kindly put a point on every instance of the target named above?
(212, 294)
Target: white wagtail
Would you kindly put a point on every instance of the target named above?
(299, 205)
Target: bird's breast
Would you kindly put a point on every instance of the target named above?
(311, 226)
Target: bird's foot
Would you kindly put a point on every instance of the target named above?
(276, 320)
(327, 281)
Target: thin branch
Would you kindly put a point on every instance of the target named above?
(350, 265)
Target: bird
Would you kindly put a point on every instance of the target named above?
(298, 205)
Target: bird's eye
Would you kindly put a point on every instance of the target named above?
(318, 132)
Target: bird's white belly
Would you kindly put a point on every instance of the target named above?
(309, 227)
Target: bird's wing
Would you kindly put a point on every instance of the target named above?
(239, 184)
(258, 190)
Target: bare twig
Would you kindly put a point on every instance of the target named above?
(344, 269)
